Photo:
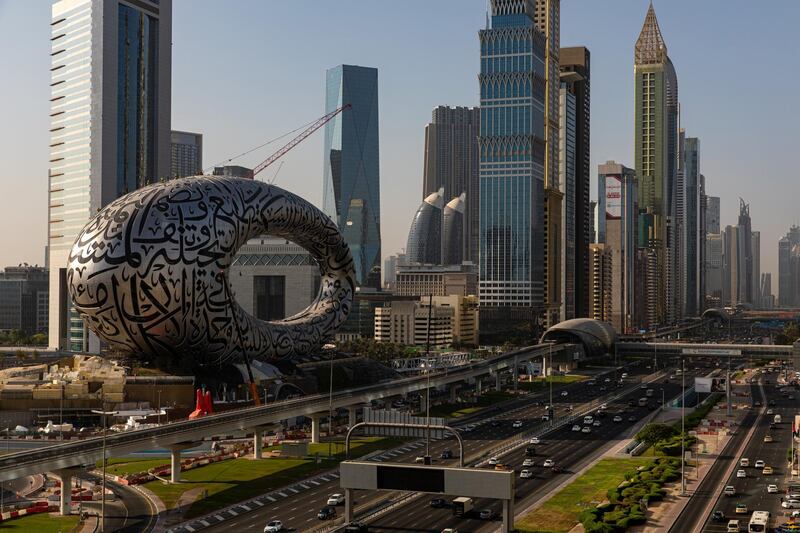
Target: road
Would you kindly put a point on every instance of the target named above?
(300, 511)
(131, 512)
(752, 490)
(712, 484)
(568, 449)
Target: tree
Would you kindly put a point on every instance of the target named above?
(790, 333)
(653, 433)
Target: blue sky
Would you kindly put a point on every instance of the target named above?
(245, 71)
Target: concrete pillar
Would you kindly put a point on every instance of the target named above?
(515, 374)
(352, 416)
(258, 442)
(478, 383)
(508, 516)
(316, 421)
(348, 506)
(453, 393)
(65, 477)
(497, 380)
(175, 465)
(423, 402)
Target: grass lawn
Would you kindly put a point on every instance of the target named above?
(41, 523)
(540, 383)
(560, 513)
(231, 481)
(456, 410)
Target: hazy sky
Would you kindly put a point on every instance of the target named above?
(245, 71)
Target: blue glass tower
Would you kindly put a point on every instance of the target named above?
(351, 187)
(512, 152)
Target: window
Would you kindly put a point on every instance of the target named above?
(269, 297)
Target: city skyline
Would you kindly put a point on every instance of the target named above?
(218, 111)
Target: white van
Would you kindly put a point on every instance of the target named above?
(733, 526)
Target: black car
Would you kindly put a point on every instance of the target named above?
(495, 423)
(718, 516)
(327, 513)
(771, 403)
(631, 403)
(631, 419)
(438, 503)
(356, 527)
(530, 451)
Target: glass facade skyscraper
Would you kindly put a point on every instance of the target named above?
(109, 125)
(351, 176)
(512, 151)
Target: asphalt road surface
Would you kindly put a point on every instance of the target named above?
(752, 490)
(131, 512)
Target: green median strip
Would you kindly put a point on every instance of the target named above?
(578, 501)
(41, 523)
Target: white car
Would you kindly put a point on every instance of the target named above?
(576, 427)
(586, 429)
(760, 463)
(517, 424)
(624, 375)
(527, 462)
(526, 474)
(545, 418)
(772, 489)
(617, 418)
(603, 407)
(607, 380)
(336, 499)
(564, 393)
(741, 474)
(273, 526)
(744, 461)
(596, 423)
(419, 459)
(791, 504)
(493, 461)
(548, 463)
(536, 440)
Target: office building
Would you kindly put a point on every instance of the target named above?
(187, 154)
(24, 299)
(512, 160)
(453, 320)
(592, 222)
(702, 260)
(755, 251)
(745, 251)
(436, 280)
(655, 147)
(110, 97)
(712, 214)
(788, 280)
(765, 289)
(451, 164)
(689, 216)
(272, 278)
(713, 270)
(732, 263)
(574, 178)
(351, 176)
(600, 282)
(617, 226)
(390, 271)
(234, 171)
(453, 227)
(424, 243)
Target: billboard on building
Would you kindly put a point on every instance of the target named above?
(710, 384)
(613, 197)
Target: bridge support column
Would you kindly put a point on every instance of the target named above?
(515, 374)
(348, 506)
(175, 460)
(316, 421)
(423, 402)
(478, 390)
(497, 381)
(453, 393)
(65, 478)
(258, 441)
(508, 516)
(352, 415)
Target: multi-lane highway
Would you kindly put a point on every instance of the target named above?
(566, 447)
(300, 511)
(752, 489)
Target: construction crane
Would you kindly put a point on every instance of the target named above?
(267, 162)
(300, 138)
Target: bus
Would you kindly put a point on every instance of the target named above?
(758, 522)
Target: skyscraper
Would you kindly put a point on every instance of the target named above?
(712, 215)
(425, 236)
(617, 226)
(451, 163)
(453, 231)
(690, 241)
(601, 282)
(109, 126)
(755, 284)
(351, 181)
(714, 267)
(731, 267)
(745, 250)
(788, 282)
(187, 154)
(512, 153)
(655, 147)
(574, 178)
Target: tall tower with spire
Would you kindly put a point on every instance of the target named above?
(656, 158)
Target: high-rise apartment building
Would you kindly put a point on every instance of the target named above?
(574, 178)
(23, 299)
(187, 154)
(351, 176)
(451, 164)
(617, 225)
(655, 148)
(512, 158)
(600, 282)
(712, 214)
(110, 98)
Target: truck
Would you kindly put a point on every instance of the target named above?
(462, 505)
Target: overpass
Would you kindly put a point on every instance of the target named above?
(754, 351)
(180, 435)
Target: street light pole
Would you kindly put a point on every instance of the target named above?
(104, 413)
